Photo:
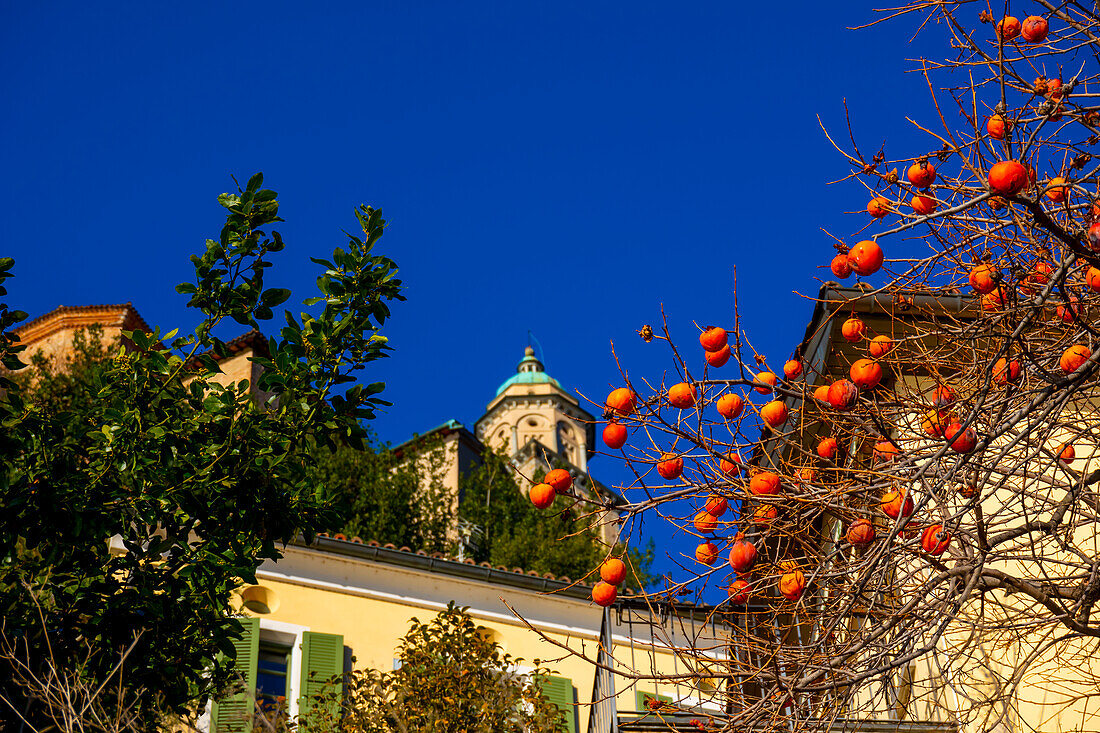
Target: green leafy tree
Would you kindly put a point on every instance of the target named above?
(382, 496)
(516, 534)
(55, 388)
(453, 679)
(195, 480)
(402, 500)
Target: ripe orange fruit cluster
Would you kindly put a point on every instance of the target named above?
(557, 481)
(865, 258)
(622, 402)
(715, 342)
(612, 574)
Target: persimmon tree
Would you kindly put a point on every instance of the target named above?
(197, 480)
(903, 519)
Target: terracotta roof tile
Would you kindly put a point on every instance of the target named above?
(441, 556)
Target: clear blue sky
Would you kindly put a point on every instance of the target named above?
(566, 168)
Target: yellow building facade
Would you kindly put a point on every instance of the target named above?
(358, 600)
(340, 604)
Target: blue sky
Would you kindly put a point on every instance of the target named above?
(565, 168)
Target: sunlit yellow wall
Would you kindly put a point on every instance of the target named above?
(1060, 690)
(371, 603)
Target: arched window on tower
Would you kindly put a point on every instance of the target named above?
(567, 446)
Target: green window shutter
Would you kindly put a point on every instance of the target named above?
(640, 697)
(322, 660)
(233, 713)
(559, 690)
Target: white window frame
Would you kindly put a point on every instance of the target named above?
(285, 634)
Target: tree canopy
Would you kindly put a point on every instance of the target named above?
(142, 447)
(452, 678)
(402, 500)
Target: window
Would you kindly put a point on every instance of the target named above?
(281, 666)
(272, 676)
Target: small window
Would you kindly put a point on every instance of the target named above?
(273, 665)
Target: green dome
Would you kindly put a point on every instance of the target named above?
(529, 371)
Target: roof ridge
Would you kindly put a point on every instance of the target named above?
(61, 309)
(341, 537)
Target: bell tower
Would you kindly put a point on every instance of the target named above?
(531, 410)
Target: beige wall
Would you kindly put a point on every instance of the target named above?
(52, 336)
(57, 347)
